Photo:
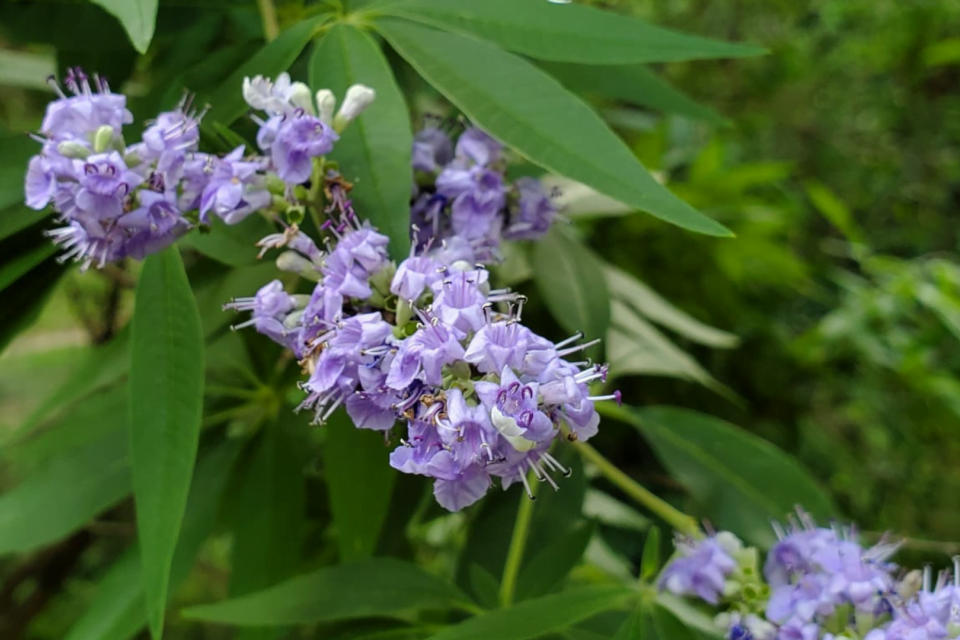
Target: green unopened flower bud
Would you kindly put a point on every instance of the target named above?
(102, 138)
(73, 149)
(293, 262)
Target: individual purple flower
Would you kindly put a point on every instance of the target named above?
(533, 214)
(415, 275)
(298, 139)
(88, 242)
(270, 308)
(514, 408)
(477, 146)
(235, 189)
(78, 116)
(797, 630)
(155, 225)
(458, 301)
(358, 255)
(427, 220)
(105, 186)
(497, 345)
(432, 149)
(40, 183)
(425, 353)
(477, 194)
(701, 569)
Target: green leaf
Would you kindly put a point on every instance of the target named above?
(634, 84)
(552, 564)
(691, 616)
(166, 403)
(607, 510)
(834, 210)
(18, 265)
(639, 626)
(534, 618)
(571, 281)
(651, 304)
(528, 110)
(383, 587)
(26, 298)
(231, 244)
(484, 586)
(71, 489)
(18, 218)
(118, 610)
(741, 481)
(650, 561)
(266, 548)
(359, 481)
(669, 627)
(138, 17)
(565, 32)
(634, 346)
(273, 58)
(374, 151)
(17, 150)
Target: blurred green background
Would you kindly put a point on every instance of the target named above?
(837, 164)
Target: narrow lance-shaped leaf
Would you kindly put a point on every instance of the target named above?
(360, 481)
(383, 587)
(227, 101)
(741, 481)
(374, 151)
(528, 110)
(166, 403)
(138, 17)
(571, 281)
(631, 83)
(117, 612)
(565, 32)
(535, 618)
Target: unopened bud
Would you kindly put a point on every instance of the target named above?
(102, 138)
(73, 149)
(326, 104)
(357, 99)
(300, 97)
(293, 262)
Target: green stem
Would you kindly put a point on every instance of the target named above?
(674, 517)
(518, 542)
(268, 14)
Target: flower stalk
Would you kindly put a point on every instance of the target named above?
(518, 543)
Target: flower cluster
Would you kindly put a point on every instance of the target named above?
(115, 201)
(462, 196)
(820, 583)
(429, 343)
(121, 201)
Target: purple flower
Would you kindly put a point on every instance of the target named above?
(458, 301)
(294, 142)
(432, 149)
(797, 630)
(88, 242)
(40, 183)
(478, 147)
(155, 225)
(497, 345)
(463, 491)
(534, 213)
(358, 255)
(514, 409)
(234, 190)
(478, 195)
(701, 568)
(415, 275)
(426, 352)
(105, 186)
(80, 115)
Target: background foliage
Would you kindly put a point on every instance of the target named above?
(833, 159)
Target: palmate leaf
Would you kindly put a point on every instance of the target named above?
(166, 403)
(528, 110)
(566, 33)
(741, 481)
(374, 151)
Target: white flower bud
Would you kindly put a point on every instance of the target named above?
(256, 92)
(326, 104)
(357, 99)
(299, 96)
